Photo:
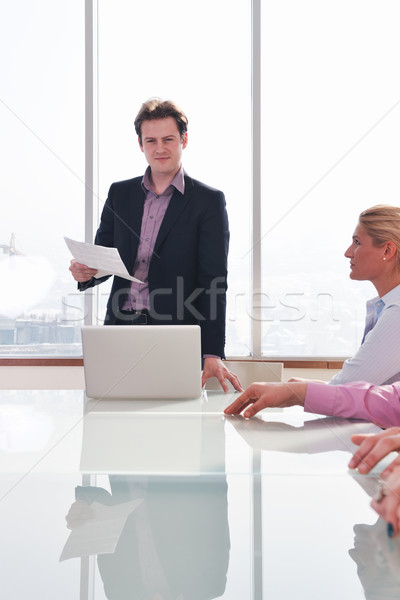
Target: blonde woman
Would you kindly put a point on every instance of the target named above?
(374, 256)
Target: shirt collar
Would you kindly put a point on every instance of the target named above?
(373, 302)
(392, 297)
(178, 182)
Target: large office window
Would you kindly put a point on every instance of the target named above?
(330, 148)
(42, 175)
(199, 56)
(316, 80)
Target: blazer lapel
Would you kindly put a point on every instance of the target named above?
(177, 204)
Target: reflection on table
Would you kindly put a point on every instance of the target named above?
(173, 500)
(378, 561)
(173, 544)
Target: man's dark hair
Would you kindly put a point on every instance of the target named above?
(160, 109)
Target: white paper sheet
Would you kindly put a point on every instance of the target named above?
(106, 260)
(101, 533)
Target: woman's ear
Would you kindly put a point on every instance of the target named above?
(390, 250)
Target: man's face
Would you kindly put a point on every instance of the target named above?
(162, 146)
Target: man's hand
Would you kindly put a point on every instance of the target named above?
(81, 272)
(374, 447)
(265, 395)
(214, 367)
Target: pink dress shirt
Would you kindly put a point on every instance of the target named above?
(358, 400)
(155, 207)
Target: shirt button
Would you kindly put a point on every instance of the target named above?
(143, 261)
(147, 239)
(151, 217)
(157, 195)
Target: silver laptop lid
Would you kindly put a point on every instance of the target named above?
(142, 361)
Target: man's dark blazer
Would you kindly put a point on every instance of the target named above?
(188, 521)
(188, 270)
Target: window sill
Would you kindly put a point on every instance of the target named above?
(295, 363)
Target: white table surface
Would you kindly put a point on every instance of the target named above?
(229, 508)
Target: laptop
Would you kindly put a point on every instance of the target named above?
(140, 361)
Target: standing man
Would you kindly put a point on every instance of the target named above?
(172, 234)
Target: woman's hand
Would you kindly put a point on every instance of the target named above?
(266, 395)
(374, 447)
(387, 502)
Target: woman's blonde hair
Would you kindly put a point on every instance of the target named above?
(382, 224)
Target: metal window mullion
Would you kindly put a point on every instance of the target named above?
(256, 280)
(256, 177)
(91, 128)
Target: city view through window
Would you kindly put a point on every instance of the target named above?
(42, 183)
(329, 126)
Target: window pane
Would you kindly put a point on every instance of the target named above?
(199, 56)
(42, 182)
(330, 148)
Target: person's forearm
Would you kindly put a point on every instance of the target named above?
(358, 400)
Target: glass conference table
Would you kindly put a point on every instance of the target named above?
(172, 500)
